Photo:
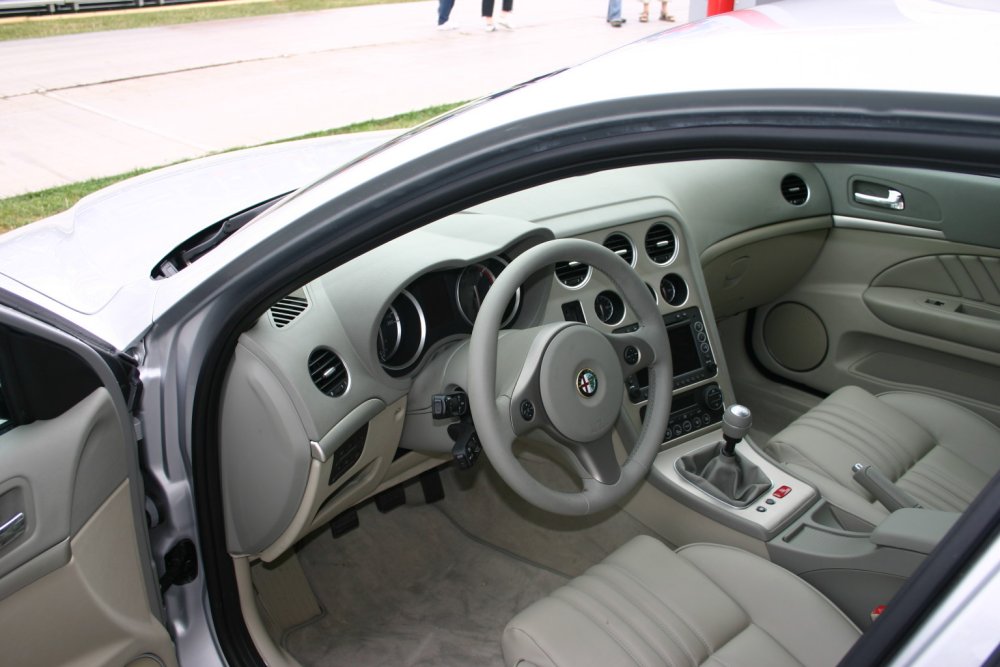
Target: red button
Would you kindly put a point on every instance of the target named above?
(782, 491)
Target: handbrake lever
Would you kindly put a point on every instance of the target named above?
(884, 490)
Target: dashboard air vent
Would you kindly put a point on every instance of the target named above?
(794, 190)
(288, 308)
(660, 243)
(572, 274)
(328, 372)
(621, 246)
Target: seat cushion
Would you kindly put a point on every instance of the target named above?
(938, 452)
(703, 605)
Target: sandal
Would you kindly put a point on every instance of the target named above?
(644, 17)
(665, 17)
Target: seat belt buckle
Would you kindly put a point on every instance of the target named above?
(877, 611)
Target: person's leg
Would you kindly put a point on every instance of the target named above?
(488, 15)
(644, 16)
(664, 16)
(614, 10)
(508, 6)
(444, 10)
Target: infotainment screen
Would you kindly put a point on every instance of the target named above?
(689, 349)
(683, 349)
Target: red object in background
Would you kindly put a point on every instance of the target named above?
(720, 6)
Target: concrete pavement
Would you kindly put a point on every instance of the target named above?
(83, 106)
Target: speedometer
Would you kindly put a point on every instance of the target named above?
(475, 282)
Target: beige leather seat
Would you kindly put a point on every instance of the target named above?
(703, 605)
(938, 452)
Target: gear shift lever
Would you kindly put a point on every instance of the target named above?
(722, 473)
(736, 421)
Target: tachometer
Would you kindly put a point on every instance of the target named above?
(475, 282)
(390, 332)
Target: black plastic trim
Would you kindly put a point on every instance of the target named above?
(123, 367)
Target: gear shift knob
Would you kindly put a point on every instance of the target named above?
(736, 422)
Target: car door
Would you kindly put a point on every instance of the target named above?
(76, 580)
(905, 293)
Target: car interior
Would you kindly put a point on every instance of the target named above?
(416, 474)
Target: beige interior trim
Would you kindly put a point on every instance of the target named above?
(865, 224)
(284, 595)
(274, 655)
(103, 586)
(322, 501)
(765, 233)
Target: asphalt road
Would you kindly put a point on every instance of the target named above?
(83, 106)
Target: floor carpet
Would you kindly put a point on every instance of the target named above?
(436, 584)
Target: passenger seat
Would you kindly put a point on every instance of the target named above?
(940, 453)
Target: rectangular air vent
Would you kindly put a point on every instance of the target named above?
(287, 309)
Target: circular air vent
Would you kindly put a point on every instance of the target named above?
(674, 289)
(572, 274)
(660, 243)
(609, 307)
(621, 246)
(794, 190)
(328, 372)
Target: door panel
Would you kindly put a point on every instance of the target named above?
(92, 610)
(899, 312)
(79, 451)
(954, 297)
(76, 584)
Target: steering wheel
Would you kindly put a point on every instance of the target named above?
(567, 379)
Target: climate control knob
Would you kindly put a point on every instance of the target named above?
(713, 397)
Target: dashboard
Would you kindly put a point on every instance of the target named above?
(329, 396)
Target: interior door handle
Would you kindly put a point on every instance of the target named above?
(11, 529)
(893, 200)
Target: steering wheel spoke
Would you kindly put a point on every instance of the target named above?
(633, 351)
(598, 459)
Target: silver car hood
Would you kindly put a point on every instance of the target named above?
(105, 247)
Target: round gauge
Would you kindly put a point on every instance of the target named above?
(390, 333)
(609, 307)
(475, 282)
(674, 289)
(402, 332)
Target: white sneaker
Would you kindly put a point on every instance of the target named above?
(447, 25)
(490, 27)
(505, 23)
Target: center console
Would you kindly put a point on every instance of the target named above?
(859, 567)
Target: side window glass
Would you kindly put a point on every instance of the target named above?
(39, 379)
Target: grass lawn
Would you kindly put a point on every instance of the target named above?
(71, 24)
(22, 209)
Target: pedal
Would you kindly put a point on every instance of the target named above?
(344, 523)
(390, 499)
(430, 483)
